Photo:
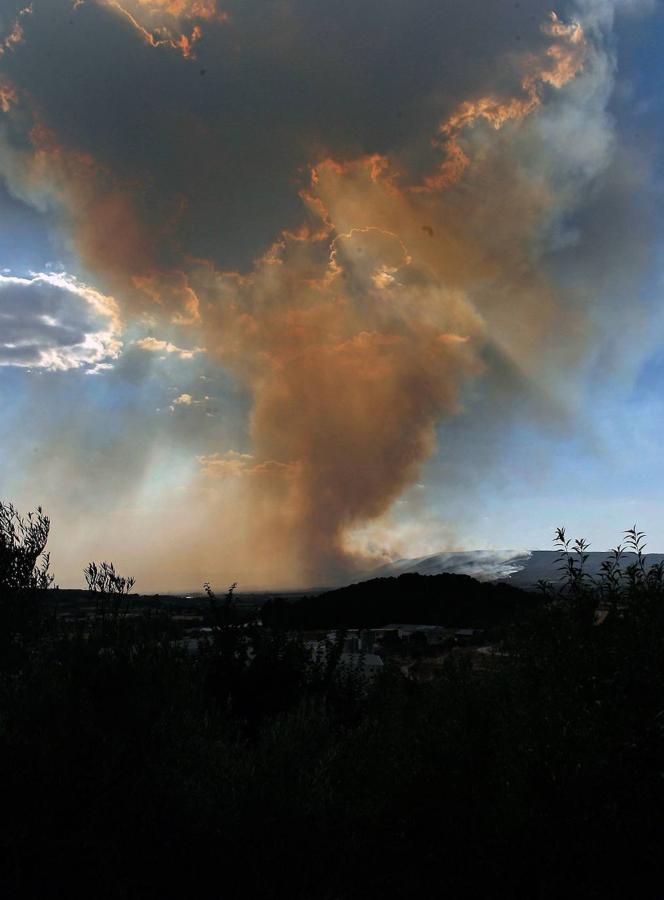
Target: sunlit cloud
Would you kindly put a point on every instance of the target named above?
(54, 322)
(155, 345)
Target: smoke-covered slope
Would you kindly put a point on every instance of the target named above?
(521, 568)
(484, 565)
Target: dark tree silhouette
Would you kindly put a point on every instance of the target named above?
(24, 575)
(137, 769)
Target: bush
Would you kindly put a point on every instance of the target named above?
(134, 770)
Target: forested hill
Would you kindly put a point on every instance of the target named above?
(451, 600)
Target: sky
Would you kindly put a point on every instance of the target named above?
(292, 288)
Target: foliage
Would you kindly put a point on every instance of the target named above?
(137, 770)
(24, 572)
(24, 565)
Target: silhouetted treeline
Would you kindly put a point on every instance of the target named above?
(133, 769)
(452, 600)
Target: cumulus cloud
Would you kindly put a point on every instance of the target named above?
(185, 402)
(54, 322)
(155, 345)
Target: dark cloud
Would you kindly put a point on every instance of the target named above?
(286, 83)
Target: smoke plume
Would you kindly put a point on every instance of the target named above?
(352, 232)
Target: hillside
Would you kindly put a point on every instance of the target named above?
(446, 599)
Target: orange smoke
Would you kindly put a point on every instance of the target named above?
(8, 95)
(161, 35)
(15, 35)
(106, 227)
(356, 333)
(563, 60)
(186, 9)
(351, 361)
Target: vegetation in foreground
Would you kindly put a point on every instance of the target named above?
(135, 770)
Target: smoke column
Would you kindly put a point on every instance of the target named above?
(355, 278)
